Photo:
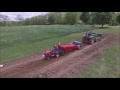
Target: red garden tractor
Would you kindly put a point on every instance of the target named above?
(62, 50)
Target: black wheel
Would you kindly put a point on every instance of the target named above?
(48, 58)
(91, 41)
(61, 52)
(83, 39)
(95, 40)
(78, 47)
(57, 55)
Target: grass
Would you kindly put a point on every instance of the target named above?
(108, 66)
(21, 41)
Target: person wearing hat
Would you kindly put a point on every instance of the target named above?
(90, 33)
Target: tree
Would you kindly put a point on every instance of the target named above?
(118, 18)
(4, 18)
(36, 20)
(42, 19)
(51, 18)
(59, 18)
(85, 17)
(26, 22)
(93, 18)
(19, 18)
(103, 18)
(113, 20)
(71, 17)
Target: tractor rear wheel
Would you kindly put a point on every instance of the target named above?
(61, 52)
(91, 41)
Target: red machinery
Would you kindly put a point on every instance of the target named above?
(67, 47)
(62, 49)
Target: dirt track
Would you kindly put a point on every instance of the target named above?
(63, 67)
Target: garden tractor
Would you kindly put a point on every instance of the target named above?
(62, 50)
(90, 39)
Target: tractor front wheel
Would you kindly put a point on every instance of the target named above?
(57, 55)
(78, 47)
(83, 40)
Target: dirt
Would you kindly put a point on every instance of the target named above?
(67, 66)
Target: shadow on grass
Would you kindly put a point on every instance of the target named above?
(102, 27)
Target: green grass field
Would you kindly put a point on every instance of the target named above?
(21, 41)
(108, 66)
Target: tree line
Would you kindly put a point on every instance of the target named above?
(62, 18)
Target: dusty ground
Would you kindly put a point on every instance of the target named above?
(63, 67)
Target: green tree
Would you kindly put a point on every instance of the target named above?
(44, 19)
(71, 17)
(56, 17)
(85, 17)
(26, 21)
(51, 18)
(113, 20)
(59, 18)
(103, 18)
(92, 18)
(118, 18)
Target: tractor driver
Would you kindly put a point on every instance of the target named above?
(54, 50)
(89, 33)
